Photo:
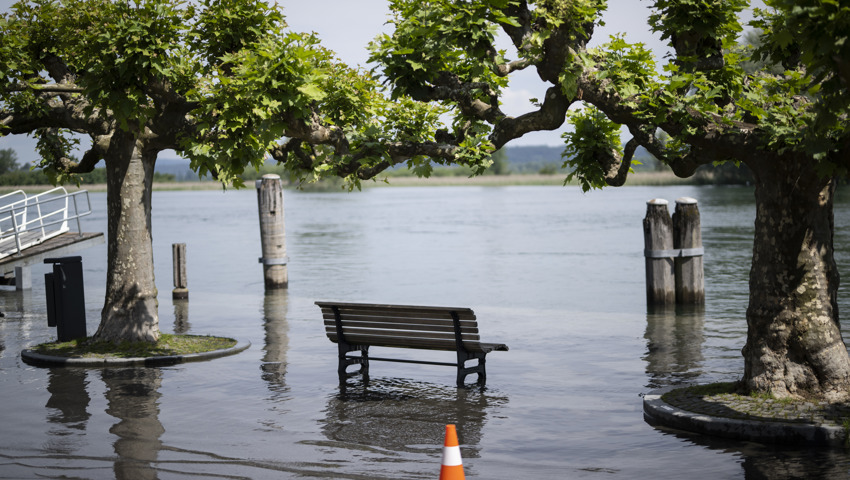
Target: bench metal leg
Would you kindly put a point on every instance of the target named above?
(344, 348)
(463, 370)
(345, 361)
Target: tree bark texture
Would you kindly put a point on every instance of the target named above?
(794, 345)
(130, 307)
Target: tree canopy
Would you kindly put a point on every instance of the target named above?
(242, 82)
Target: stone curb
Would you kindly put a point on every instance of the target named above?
(38, 359)
(658, 412)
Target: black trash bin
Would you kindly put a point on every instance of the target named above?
(66, 303)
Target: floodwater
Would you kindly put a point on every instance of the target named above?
(556, 274)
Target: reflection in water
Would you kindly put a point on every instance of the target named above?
(181, 316)
(407, 416)
(132, 396)
(277, 340)
(16, 306)
(16, 303)
(775, 462)
(67, 407)
(674, 340)
(763, 462)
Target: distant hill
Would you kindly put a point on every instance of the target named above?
(523, 155)
(179, 167)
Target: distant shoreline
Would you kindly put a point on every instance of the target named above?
(636, 179)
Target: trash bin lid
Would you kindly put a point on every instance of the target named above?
(63, 259)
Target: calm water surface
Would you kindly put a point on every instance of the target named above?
(556, 274)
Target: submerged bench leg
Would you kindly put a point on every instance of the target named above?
(482, 371)
(345, 361)
(364, 363)
(463, 370)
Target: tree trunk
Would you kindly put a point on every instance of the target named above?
(794, 345)
(130, 308)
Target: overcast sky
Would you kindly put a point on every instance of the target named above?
(347, 26)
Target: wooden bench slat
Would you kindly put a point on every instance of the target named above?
(387, 307)
(427, 327)
(411, 317)
(396, 342)
(385, 318)
(444, 315)
(348, 332)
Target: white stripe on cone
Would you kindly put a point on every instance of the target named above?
(451, 456)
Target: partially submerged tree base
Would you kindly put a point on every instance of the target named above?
(167, 345)
(732, 400)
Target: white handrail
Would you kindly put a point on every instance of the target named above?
(22, 213)
(22, 228)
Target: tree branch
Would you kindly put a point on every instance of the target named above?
(50, 139)
(520, 36)
(315, 132)
(712, 138)
(550, 116)
(58, 70)
(448, 87)
(45, 88)
(616, 168)
(347, 161)
(505, 69)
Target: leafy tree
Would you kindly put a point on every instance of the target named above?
(500, 165)
(8, 160)
(220, 82)
(789, 127)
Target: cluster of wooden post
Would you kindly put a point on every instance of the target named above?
(673, 251)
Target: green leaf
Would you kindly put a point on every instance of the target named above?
(312, 91)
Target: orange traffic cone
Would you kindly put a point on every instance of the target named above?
(452, 468)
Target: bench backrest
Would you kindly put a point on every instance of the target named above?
(401, 325)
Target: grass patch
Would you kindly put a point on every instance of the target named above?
(710, 390)
(714, 389)
(167, 345)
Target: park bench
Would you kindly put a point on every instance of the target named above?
(358, 326)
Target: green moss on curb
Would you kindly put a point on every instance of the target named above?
(713, 389)
(729, 401)
(168, 345)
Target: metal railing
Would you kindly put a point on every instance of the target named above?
(30, 220)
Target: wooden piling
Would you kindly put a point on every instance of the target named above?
(688, 265)
(272, 231)
(658, 243)
(181, 317)
(181, 284)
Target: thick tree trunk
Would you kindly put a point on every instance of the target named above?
(130, 308)
(794, 345)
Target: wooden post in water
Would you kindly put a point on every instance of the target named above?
(272, 231)
(658, 244)
(687, 237)
(181, 284)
